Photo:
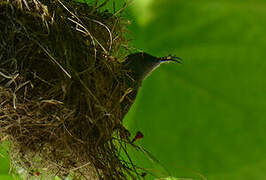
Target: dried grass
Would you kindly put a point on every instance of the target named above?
(62, 89)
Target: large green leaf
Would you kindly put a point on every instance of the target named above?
(207, 116)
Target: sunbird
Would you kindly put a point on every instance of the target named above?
(139, 66)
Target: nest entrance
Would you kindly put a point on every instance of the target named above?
(61, 88)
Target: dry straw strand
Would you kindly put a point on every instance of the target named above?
(61, 88)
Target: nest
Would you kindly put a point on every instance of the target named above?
(61, 88)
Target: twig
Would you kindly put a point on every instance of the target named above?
(53, 59)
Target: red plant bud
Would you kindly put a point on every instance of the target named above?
(139, 135)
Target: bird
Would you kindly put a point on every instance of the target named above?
(138, 67)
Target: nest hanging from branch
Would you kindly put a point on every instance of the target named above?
(61, 88)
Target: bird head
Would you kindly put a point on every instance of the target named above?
(140, 65)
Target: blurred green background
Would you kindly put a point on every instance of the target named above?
(207, 116)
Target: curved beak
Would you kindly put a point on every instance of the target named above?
(171, 58)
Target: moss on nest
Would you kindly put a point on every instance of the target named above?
(61, 88)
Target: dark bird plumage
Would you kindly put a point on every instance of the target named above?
(138, 66)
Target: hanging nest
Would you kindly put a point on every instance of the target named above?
(62, 88)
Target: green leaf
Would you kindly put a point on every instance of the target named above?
(205, 118)
(6, 177)
(4, 159)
